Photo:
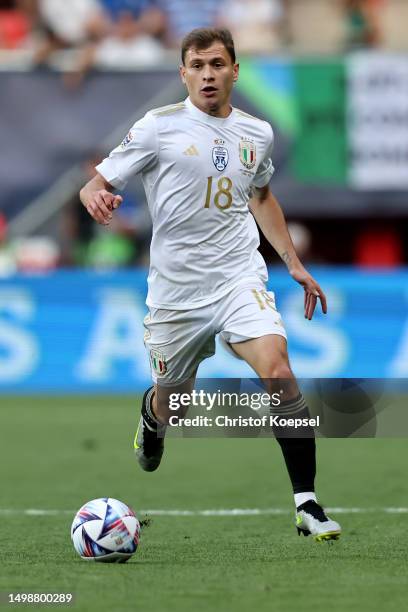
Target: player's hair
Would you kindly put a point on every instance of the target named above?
(202, 38)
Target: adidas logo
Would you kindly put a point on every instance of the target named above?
(191, 151)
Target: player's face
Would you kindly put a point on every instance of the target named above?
(209, 75)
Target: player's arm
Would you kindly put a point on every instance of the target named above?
(137, 151)
(269, 216)
(98, 199)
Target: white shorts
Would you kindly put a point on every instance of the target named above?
(179, 340)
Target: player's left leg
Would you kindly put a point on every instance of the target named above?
(267, 355)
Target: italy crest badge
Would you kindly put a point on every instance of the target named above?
(247, 153)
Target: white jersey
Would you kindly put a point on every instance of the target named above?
(197, 171)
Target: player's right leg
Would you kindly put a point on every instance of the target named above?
(155, 414)
(177, 342)
(148, 442)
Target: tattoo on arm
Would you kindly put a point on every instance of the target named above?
(286, 258)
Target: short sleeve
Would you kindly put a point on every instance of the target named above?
(137, 151)
(265, 168)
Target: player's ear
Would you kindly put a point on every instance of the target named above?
(182, 71)
(235, 73)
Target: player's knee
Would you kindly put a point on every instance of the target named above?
(277, 369)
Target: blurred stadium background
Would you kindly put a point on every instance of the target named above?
(332, 78)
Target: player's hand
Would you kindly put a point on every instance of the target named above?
(101, 204)
(313, 291)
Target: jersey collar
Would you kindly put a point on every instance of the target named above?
(209, 119)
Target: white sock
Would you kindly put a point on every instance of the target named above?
(301, 498)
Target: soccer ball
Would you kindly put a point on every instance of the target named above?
(105, 530)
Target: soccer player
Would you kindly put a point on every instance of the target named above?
(206, 168)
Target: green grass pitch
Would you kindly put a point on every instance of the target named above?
(57, 453)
